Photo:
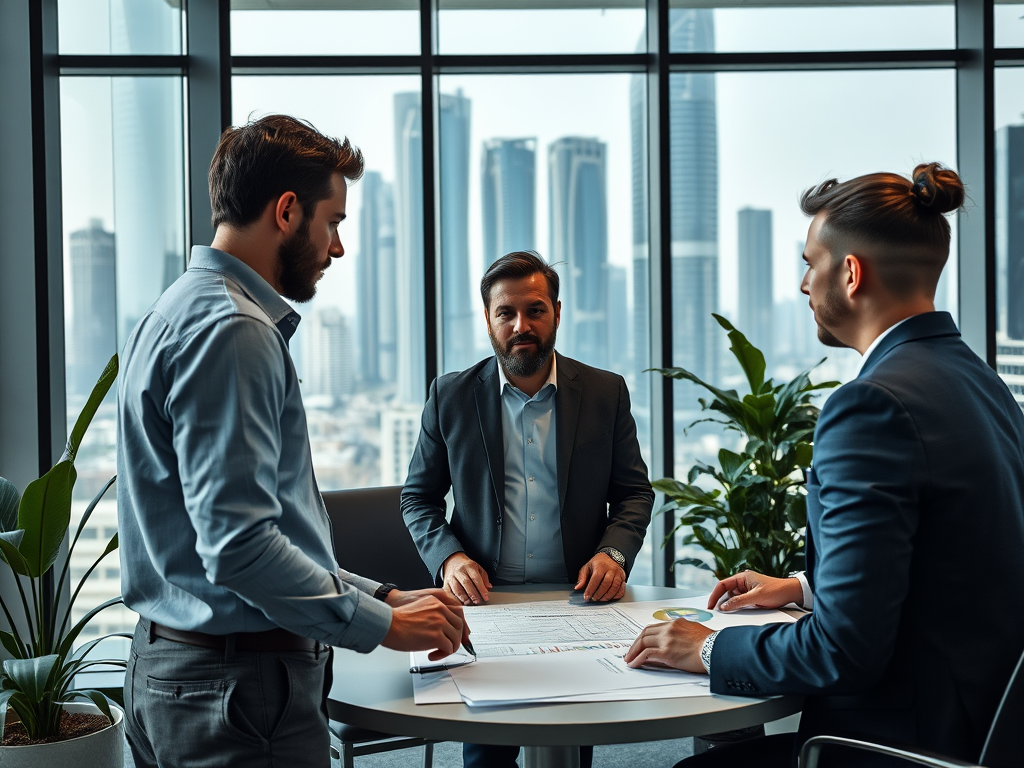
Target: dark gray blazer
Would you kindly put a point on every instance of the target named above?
(603, 490)
(915, 519)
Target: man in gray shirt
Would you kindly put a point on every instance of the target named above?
(225, 543)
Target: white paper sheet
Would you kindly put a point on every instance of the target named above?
(518, 679)
(559, 652)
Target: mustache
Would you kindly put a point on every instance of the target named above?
(521, 338)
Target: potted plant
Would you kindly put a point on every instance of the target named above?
(38, 682)
(755, 517)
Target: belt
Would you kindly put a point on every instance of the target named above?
(273, 640)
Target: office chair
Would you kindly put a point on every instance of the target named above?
(1001, 750)
(370, 538)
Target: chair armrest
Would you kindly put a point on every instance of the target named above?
(811, 753)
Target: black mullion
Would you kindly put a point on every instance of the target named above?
(659, 258)
(975, 107)
(1009, 57)
(816, 60)
(48, 237)
(428, 134)
(122, 65)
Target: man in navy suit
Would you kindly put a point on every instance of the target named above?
(541, 455)
(914, 506)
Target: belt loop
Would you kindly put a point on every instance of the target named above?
(229, 647)
(151, 631)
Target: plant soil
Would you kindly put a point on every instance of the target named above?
(72, 725)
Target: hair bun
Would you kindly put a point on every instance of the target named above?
(937, 188)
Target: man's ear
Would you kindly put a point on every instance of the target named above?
(558, 313)
(287, 213)
(854, 277)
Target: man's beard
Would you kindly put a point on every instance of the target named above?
(298, 265)
(522, 364)
(831, 311)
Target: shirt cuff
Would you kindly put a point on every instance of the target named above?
(805, 587)
(705, 651)
(363, 584)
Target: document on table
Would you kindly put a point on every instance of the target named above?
(554, 651)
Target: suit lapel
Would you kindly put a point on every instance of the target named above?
(488, 409)
(567, 399)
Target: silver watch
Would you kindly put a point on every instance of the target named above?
(615, 555)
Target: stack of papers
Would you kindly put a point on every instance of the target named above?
(554, 651)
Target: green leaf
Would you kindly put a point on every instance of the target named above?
(10, 642)
(804, 455)
(69, 640)
(89, 510)
(796, 511)
(692, 561)
(9, 542)
(99, 391)
(9, 499)
(32, 676)
(750, 358)
(45, 514)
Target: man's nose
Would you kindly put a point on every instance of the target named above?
(337, 250)
(804, 285)
(522, 324)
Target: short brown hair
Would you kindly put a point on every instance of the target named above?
(261, 160)
(514, 266)
(897, 223)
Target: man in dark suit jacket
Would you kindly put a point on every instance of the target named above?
(915, 503)
(542, 457)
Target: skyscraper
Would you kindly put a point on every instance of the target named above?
(579, 237)
(1010, 229)
(408, 277)
(457, 299)
(93, 326)
(693, 158)
(509, 196)
(375, 278)
(620, 324)
(149, 211)
(694, 161)
(755, 273)
(330, 353)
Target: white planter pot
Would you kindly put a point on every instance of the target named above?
(103, 749)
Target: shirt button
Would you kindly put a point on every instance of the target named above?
(533, 517)
(529, 441)
(530, 556)
(531, 478)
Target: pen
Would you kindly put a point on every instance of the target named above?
(469, 647)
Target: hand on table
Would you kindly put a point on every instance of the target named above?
(674, 644)
(601, 579)
(750, 589)
(426, 623)
(465, 580)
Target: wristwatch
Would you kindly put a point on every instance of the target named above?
(382, 592)
(615, 555)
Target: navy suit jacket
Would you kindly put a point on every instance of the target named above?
(915, 516)
(604, 494)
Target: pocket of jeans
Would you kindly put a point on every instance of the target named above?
(185, 705)
(305, 690)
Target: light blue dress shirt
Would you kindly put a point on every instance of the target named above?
(531, 531)
(222, 527)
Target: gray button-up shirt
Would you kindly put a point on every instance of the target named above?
(222, 527)
(531, 531)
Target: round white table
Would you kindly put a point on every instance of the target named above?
(375, 691)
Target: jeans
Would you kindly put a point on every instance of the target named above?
(189, 707)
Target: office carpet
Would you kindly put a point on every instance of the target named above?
(655, 754)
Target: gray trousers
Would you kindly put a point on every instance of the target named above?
(189, 707)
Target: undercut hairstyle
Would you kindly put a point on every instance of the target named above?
(258, 162)
(898, 224)
(514, 266)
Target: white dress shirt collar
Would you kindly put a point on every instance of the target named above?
(876, 342)
(552, 376)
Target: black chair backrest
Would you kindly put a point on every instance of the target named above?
(1002, 747)
(370, 537)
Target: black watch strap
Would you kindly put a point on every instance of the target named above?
(615, 555)
(381, 593)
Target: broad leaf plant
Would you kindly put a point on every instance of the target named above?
(755, 517)
(40, 675)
